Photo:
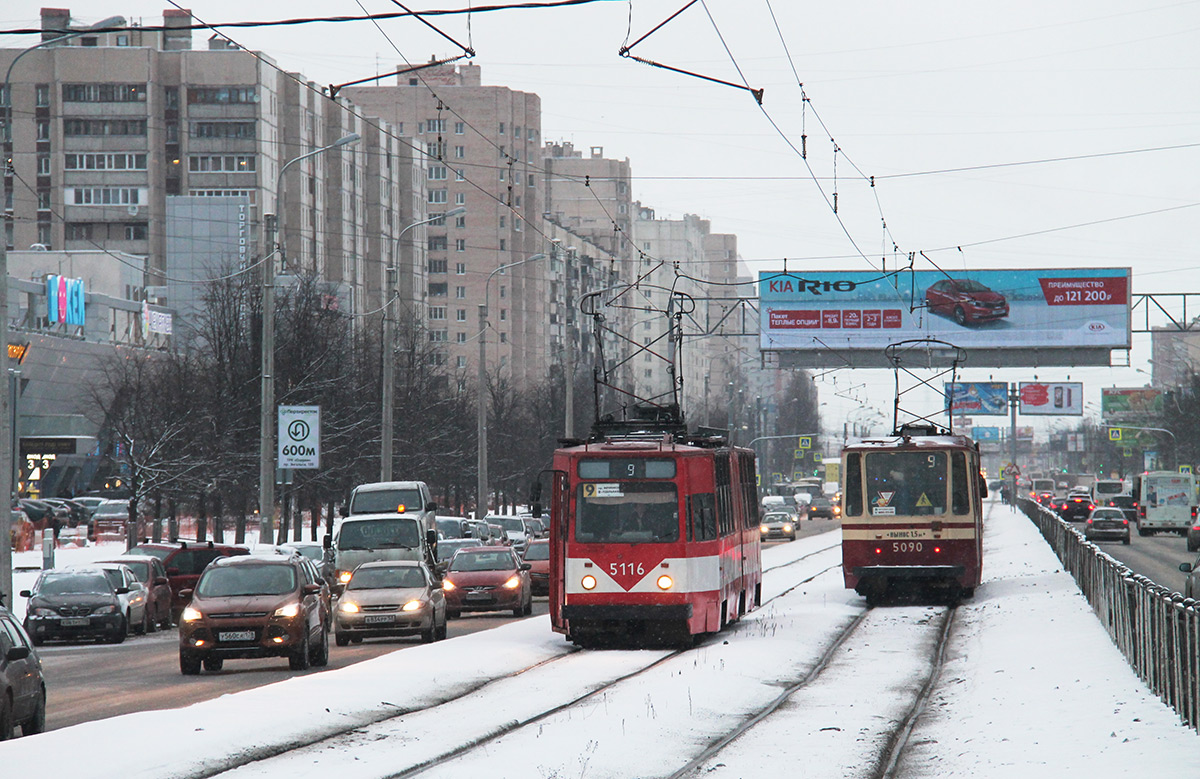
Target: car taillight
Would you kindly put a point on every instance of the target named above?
(1089, 520)
(1091, 506)
(1141, 511)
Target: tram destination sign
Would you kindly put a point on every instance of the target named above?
(1001, 317)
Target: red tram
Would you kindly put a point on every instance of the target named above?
(653, 537)
(912, 513)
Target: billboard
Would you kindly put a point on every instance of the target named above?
(1047, 399)
(1004, 310)
(985, 398)
(1130, 405)
(985, 433)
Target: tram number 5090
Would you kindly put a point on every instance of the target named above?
(906, 546)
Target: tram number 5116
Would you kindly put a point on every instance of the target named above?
(627, 569)
(906, 546)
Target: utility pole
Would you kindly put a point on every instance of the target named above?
(481, 493)
(266, 465)
(389, 375)
(1014, 398)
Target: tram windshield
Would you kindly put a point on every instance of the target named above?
(906, 483)
(626, 512)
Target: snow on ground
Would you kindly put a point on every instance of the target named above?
(1032, 687)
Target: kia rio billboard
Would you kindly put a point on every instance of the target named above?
(1054, 309)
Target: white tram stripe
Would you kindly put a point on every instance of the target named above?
(688, 574)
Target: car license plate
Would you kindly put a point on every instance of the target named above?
(236, 635)
(75, 622)
(478, 597)
(375, 619)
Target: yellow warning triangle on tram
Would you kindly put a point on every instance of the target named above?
(923, 501)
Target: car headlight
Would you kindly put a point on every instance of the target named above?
(288, 611)
(44, 612)
(665, 582)
(787, 528)
(348, 607)
(344, 576)
(190, 615)
(414, 605)
(448, 585)
(588, 582)
(763, 528)
(109, 609)
(513, 583)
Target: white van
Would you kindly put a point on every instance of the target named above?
(365, 538)
(400, 497)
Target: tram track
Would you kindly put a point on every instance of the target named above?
(400, 724)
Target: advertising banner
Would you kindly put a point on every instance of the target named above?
(986, 398)
(64, 301)
(1062, 399)
(986, 309)
(982, 434)
(1130, 405)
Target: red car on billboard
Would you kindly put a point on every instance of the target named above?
(968, 302)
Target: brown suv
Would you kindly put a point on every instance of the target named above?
(250, 606)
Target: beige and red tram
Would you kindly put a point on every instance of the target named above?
(652, 538)
(912, 513)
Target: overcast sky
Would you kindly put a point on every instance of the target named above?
(905, 91)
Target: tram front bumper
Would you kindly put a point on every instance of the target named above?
(639, 612)
(909, 571)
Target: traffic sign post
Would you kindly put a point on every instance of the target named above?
(299, 437)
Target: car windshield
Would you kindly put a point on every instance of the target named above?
(513, 523)
(384, 501)
(74, 584)
(314, 553)
(966, 285)
(140, 569)
(1107, 514)
(111, 510)
(379, 534)
(483, 561)
(627, 513)
(391, 577)
(149, 551)
(1121, 501)
(115, 577)
(447, 548)
(228, 581)
(450, 528)
(538, 552)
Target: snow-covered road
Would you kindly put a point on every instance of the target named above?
(1031, 687)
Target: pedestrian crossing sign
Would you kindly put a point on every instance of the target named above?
(1114, 434)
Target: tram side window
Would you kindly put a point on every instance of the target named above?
(853, 494)
(749, 491)
(724, 490)
(702, 517)
(960, 495)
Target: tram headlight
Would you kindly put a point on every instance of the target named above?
(665, 582)
(588, 582)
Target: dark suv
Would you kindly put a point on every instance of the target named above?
(185, 561)
(22, 687)
(73, 604)
(251, 606)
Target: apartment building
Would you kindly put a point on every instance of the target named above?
(593, 195)
(107, 127)
(480, 147)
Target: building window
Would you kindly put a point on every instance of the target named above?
(79, 231)
(434, 149)
(460, 361)
(502, 174)
(78, 127)
(222, 95)
(439, 336)
(122, 40)
(503, 291)
(504, 315)
(42, 95)
(502, 245)
(221, 129)
(649, 374)
(517, 133)
(437, 172)
(439, 290)
(100, 161)
(437, 312)
(458, 175)
(502, 220)
(460, 315)
(530, 180)
(460, 245)
(249, 194)
(437, 219)
(136, 231)
(437, 266)
(460, 198)
(460, 269)
(223, 163)
(43, 164)
(460, 293)
(44, 235)
(460, 221)
(461, 338)
(437, 243)
(104, 93)
(437, 196)
(43, 130)
(502, 128)
(459, 128)
(460, 152)
(435, 126)
(107, 196)
(503, 340)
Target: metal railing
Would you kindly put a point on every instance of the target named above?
(1156, 628)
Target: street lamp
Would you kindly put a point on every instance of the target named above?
(389, 349)
(481, 500)
(7, 452)
(266, 439)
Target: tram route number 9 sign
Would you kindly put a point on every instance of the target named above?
(299, 437)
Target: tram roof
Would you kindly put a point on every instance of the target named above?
(912, 442)
(617, 447)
